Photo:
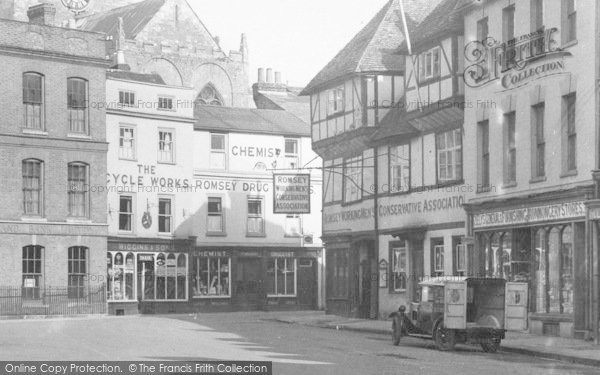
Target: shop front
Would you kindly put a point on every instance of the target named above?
(541, 241)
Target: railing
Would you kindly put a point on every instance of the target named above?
(53, 300)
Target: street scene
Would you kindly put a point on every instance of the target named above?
(327, 187)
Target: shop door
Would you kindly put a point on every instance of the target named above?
(145, 281)
(248, 289)
(307, 283)
(365, 292)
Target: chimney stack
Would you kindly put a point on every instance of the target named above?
(42, 14)
(261, 75)
(278, 78)
(269, 75)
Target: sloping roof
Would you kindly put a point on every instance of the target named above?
(394, 124)
(138, 77)
(135, 17)
(374, 48)
(289, 101)
(244, 120)
(444, 19)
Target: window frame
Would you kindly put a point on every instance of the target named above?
(27, 102)
(162, 146)
(81, 260)
(292, 155)
(216, 151)
(167, 217)
(127, 99)
(569, 20)
(298, 219)
(356, 166)
(285, 272)
(130, 214)
(454, 150)
(73, 108)
(483, 25)
(570, 133)
(336, 101)
(483, 128)
(428, 61)
(395, 267)
(196, 282)
(510, 148)
(460, 255)
(32, 293)
(162, 99)
(537, 14)
(133, 141)
(392, 174)
(508, 23)
(77, 187)
(260, 216)
(40, 212)
(210, 214)
(539, 140)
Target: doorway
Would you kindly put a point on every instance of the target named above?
(249, 292)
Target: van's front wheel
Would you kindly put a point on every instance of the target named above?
(445, 339)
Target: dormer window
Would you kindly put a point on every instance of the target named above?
(336, 101)
(430, 63)
(126, 98)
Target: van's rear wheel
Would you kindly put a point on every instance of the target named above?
(445, 339)
(491, 346)
(397, 330)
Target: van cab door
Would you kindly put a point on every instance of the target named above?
(455, 312)
(516, 306)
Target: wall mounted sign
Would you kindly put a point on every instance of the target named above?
(530, 215)
(146, 220)
(291, 194)
(511, 62)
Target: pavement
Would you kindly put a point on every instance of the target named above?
(556, 348)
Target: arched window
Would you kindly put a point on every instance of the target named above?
(77, 103)
(33, 187)
(32, 271)
(33, 100)
(78, 256)
(209, 96)
(77, 190)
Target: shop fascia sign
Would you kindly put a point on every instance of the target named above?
(530, 215)
(516, 62)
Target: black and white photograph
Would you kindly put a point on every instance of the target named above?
(300, 187)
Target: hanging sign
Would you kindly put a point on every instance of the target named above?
(291, 194)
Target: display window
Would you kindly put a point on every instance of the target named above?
(281, 277)
(211, 277)
(121, 280)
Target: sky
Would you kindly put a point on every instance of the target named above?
(295, 37)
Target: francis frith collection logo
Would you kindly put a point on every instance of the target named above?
(516, 62)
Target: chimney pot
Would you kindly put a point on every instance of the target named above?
(42, 14)
(278, 77)
(269, 75)
(261, 75)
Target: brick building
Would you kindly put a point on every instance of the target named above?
(52, 230)
(165, 37)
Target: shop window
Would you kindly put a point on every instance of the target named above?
(77, 103)
(126, 213)
(569, 28)
(77, 268)
(165, 103)
(216, 216)
(33, 100)
(33, 187)
(127, 142)
(212, 277)
(281, 277)
(126, 98)
(255, 220)
(78, 190)
(32, 271)
(460, 260)
(399, 269)
(120, 276)
(353, 180)
(218, 152)
(504, 256)
(430, 63)
(540, 259)
(291, 154)
(449, 156)
(165, 215)
(566, 271)
(166, 146)
(399, 168)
